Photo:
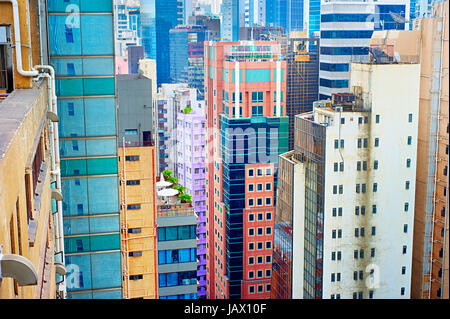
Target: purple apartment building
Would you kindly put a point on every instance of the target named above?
(190, 169)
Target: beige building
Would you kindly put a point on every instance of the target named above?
(428, 44)
(138, 221)
(31, 235)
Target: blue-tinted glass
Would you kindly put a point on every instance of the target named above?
(93, 26)
(78, 272)
(98, 66)
(161, 257)
(106, 270)
(72, 148)
(172, 279)
(103, 195)
(60, 42)
(110, 294)
(100, 116)
(104, 224)
(101, 147)
(162, 280)
(71, 117)
(76, 226)
(75, 194)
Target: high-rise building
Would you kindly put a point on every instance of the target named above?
(334, 198)
(32, 264)
(177, 242)
(302, 88)
(430, 278)
(428, 43)
(259, 32)
(135, 54)
(230, 20)
(137, 172)
(185, 45)
(157, 18)
(85, 86)
(127, 26)
(166, 109)
(345, 32)
(247, 130)
(191, 166)
(148, 69)
(288, 14)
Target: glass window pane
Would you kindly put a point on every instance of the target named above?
(104, 224)
(101, 147)
(171, 233)
(106, 270)
(78, 272)
(71, 117)
(103, 195)
(100, 116)
(92, 26)
(64, 35)
(102, 166)
(73, 167)
(98, 66)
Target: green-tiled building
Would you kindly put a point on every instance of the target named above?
(81, 49)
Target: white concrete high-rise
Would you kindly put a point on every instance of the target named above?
(345, 202)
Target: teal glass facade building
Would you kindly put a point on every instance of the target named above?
(81, 49)
(245, 141)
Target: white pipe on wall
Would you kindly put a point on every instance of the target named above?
(18, 43)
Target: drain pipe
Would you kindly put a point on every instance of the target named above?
(18, 44)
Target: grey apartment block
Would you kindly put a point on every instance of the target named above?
(134, 109)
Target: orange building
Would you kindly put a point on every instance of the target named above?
(138, 220)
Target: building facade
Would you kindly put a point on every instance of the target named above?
(127, 24)
(177, 243)
(191, 172)
(247, 129)
(157, 18)
(31, 226)
(335, 194)
(345, 32)
(85, 86)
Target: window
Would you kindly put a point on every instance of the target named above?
(373, 231)
(410, 116)
(259, 202)
(372, 252)
(268, 244)
(374, 209)
(408, 162)
(268, 216)
(377, 142)
(405, 228)
(268, 186)
(251, 260)
(268, 230)
(259, 172)
(268, 259)
(251, 187)
(377, 118)
(375, 187)
(251, 202)
(375, 164)
(260, 231)
(250, 172)
(134, 182)
(268, 172)
(407, 185)
(251, 217)
(251, 289)
(132, 158)
(259, 187)
(334, 189)
(251, 231)
(341, 189)
(403, 270)
(251, 274)
(402, 291)
(251, 246)
(136, 277)
(135, 253)
(133, 206)
(406, 207)
(404, 250)
(268, 201)
(409, 140)
(361, 253)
